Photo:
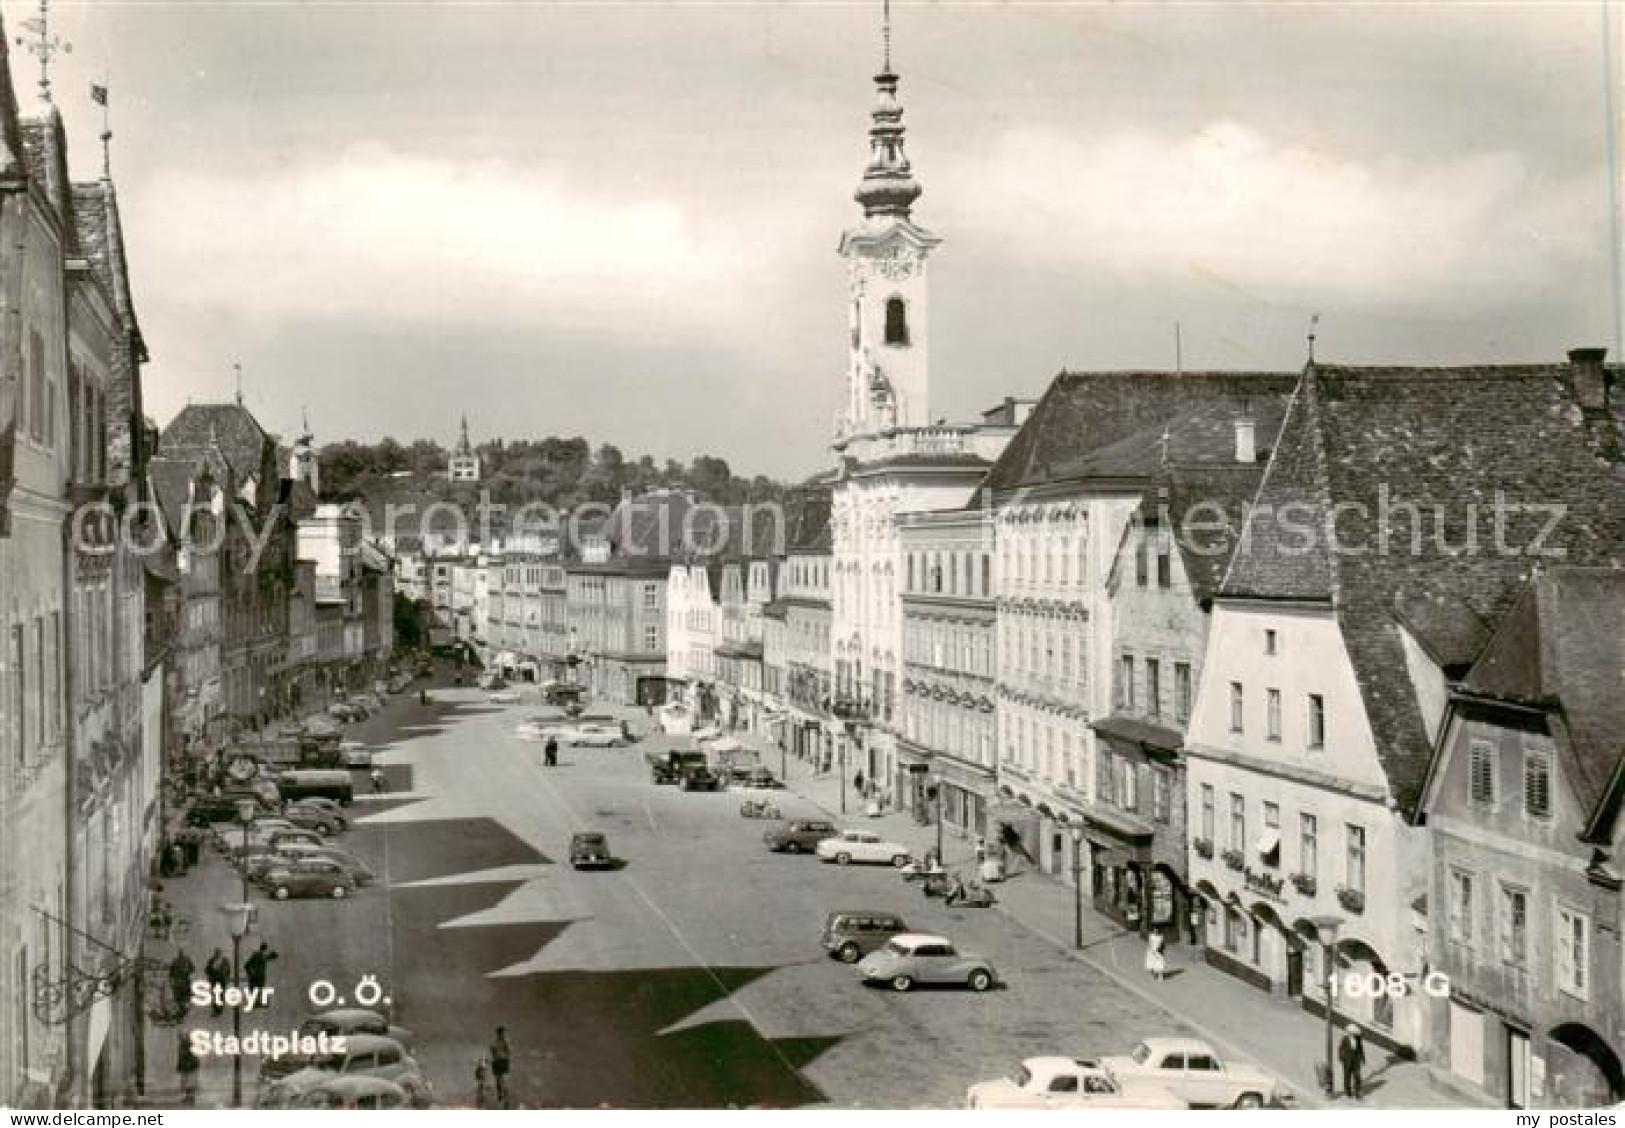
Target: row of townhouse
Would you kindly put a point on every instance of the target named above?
(83, 660)
(1318, 672)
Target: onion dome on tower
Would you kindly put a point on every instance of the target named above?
(888, 187)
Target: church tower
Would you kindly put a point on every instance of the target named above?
(888, 384)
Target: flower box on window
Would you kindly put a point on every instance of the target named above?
(1203, 846)
(1235, 859)
(1304, 883)
(1351, 899)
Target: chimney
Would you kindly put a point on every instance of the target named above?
(1246, 447)
(1590, 378)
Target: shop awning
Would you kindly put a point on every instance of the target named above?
(1142, 732)
(1123, 828)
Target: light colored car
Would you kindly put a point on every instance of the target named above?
(862, 846)
(597, 735)
(503, 697)
(321, 803)
(1195, 1072)
(911, 958)
(1062, 1082)
(356, 754)
(365, 1055)
(370, 1094)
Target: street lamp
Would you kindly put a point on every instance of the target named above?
(245, 816)
(1326, 929)
(1077, 887)
(237, 919)
(936, 788)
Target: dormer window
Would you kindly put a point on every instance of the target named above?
(896, 322)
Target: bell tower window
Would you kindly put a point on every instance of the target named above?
(896, 322)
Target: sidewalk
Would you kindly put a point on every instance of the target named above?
(1238, 1019)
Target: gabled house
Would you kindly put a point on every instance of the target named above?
(1522, 805)
(1399, 517)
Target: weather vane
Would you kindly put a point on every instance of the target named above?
(43, 45)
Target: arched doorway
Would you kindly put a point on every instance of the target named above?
(1169, 902)
(1582, 1069)
(1357, 959)
(1280, 949)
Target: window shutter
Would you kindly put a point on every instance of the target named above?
(1537, 783)
(1482, 771)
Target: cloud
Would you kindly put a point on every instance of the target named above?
(383, 236)
(1245, 211)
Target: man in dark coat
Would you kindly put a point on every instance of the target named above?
(218, 971)
(1351, 1054)
(258, 964)
(180, 981)
(500, 1058)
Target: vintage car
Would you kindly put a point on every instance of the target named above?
(590, 850)
(594, 734)
(370, 1094)
(800, 836)
(305, 817)
(862, 846)
(1195, 1072)
(1063, 1082)
(911, 958)
(851, 934)
(503, 697)
(355, 1020)
(309, 877)
(364, 1055)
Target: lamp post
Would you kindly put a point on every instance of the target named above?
(936, 786)
(245, 816)
(1077, 887)
(237, 918)
(1326, 929)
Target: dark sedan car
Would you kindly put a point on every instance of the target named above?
(799, 837)
(590, 850)
(700, 778)
(309, 877)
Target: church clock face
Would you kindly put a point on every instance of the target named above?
(896, 262)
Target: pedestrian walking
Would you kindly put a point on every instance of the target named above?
(857, 783)
(550, 754)
(1351, 1053)
(1156, 962)
(500, 1057)
(180, 981)
(186, 1068)
(258, 964)
(218, 972)
(480, 1096)
(378, 781)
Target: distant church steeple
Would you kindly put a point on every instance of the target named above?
(464, 464)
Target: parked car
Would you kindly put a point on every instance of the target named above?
(1062, 1082)
(503, 697)
(369, 1094)
(255, 867)
(698, 777)
(595, 734)
(1195, 1072)
(590, 850)
(862, 846)
(760, 777)
(357, 870)
(309, 877)
(364, 1055)
(852, 934)
(346, 712)
(917, 957)
(320, 803)
(206, 810)
(321, 821)
(800, 836)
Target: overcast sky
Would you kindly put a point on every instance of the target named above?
(620, 220)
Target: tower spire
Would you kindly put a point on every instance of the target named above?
(40, 43)
(98, 94)
(888, 187)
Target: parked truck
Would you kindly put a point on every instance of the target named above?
(306, 752)
(669, 766)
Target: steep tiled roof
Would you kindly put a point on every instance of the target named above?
(1207, 506)
(101, 241)
(1367, 455)
(12, 161)
(1110, 424)
(229, 426)
(171, 480)
(1563, 646)
(45, 149)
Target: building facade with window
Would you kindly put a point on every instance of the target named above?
(1064, 493)
(812, 733)
(947, 746)
(1523, 812)
(1346, 616)
(1175, 550)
